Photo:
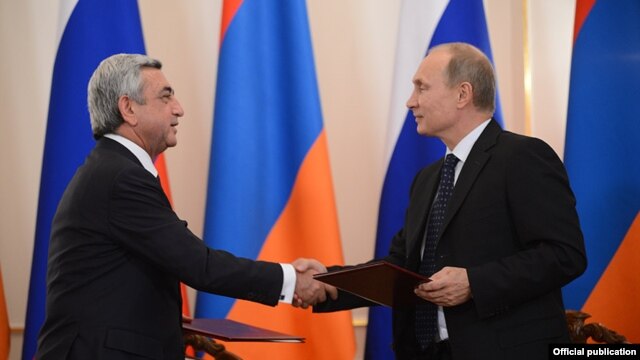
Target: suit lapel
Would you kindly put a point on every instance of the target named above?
(476, 160)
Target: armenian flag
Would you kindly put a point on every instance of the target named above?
(270, 195)
(602, 156)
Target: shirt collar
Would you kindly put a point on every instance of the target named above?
(139, 152)
(462, 150)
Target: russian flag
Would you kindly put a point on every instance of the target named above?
(90, 30)
(602, 156)
(270, 194)
(423, 25)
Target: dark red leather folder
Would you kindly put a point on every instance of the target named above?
(380, 282)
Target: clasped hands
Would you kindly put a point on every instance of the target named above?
(309, 291)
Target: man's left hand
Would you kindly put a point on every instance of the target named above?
(448, 287)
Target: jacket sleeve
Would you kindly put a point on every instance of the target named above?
(141, 219)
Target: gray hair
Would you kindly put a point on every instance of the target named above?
(470, 64)
(116, 76)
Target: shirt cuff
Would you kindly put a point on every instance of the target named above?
(288, 283)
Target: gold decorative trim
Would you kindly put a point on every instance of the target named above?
(360, 322)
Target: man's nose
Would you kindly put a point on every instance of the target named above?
(411, 102)
(177, 109)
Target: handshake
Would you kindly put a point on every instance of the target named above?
(309, 291)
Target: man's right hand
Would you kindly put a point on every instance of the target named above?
(309, 291)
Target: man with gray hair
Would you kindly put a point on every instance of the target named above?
(118, 252)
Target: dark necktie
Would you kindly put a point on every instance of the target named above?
(427, 313)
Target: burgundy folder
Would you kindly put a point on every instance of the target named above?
(380, 282)
(229, 330)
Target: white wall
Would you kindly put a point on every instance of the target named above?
(354, 44)
(551, 39)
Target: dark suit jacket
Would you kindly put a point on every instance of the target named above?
(512, 224)
(117, 254)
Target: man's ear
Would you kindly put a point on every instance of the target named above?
(125, 105)
(465, 94)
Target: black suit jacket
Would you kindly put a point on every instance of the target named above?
(512, 224)
(116, 256)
